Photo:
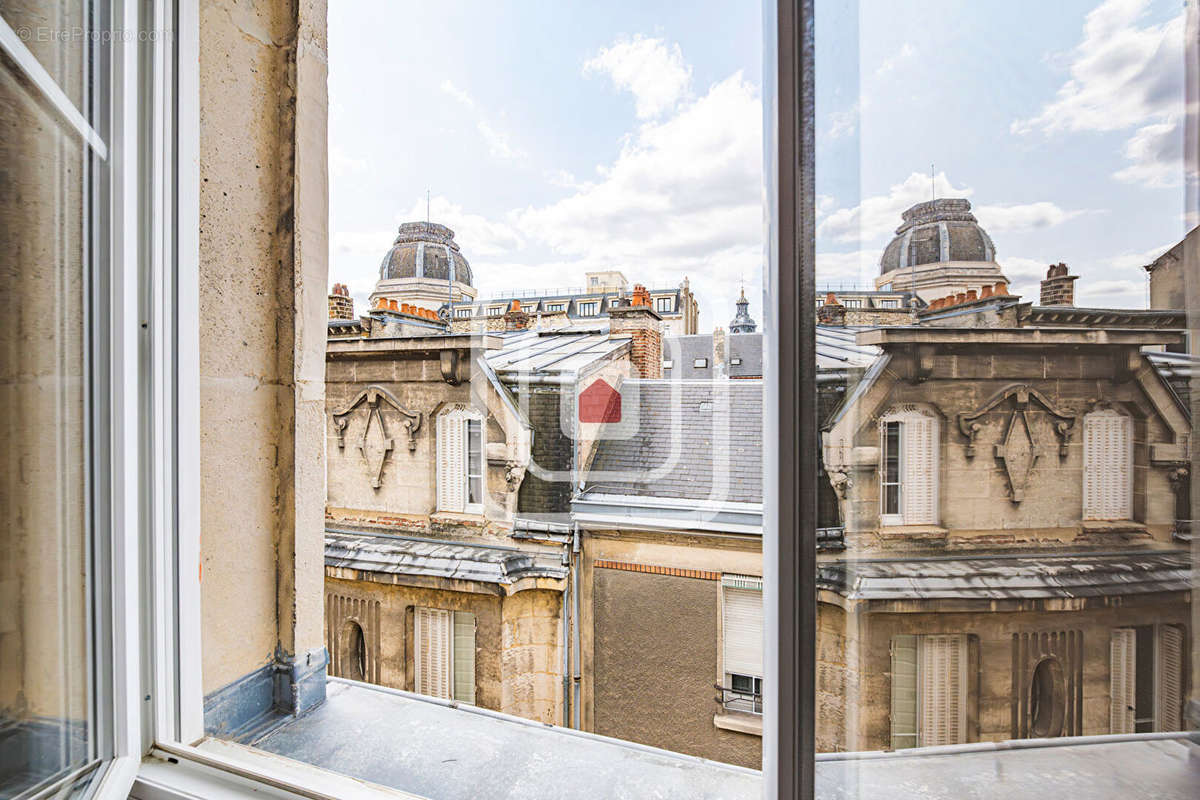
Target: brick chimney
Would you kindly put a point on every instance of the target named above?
(341, 306)
(831, 312)
(515, 319)
(1058, 289)
(641, 322)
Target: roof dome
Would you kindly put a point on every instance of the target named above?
(425, 250)
(742, 323)
(937, 230)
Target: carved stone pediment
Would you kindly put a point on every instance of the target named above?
(375, 444)
(1020, 448)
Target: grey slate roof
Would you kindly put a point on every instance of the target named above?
(682, 352)
(1037, 575)
(749, 348)
(401, 555)
(707, 435)
(836, 349)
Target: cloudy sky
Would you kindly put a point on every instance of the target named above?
(556, 140)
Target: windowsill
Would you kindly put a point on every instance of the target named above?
(920, 533)
(1127, 526)
(739, 721)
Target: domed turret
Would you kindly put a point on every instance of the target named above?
(939, 248)
(425, 268)
(425, 250)
(741, 321)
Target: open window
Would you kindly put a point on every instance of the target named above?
(461, 476)
(908, 476)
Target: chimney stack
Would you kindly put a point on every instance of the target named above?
(515, 319)
(1058, 289)
(832, 312)
(341, 306)
(641, 322)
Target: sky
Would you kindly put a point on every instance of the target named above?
(557, 138)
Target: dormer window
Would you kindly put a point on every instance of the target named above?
(495, 311)
(589, 308)
(664, 304)
(700, 363)
(908, 468)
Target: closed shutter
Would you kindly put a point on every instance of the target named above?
(1107, 465)
(904, 692)
(451, 462)
(1168, 690)
(1122, 680)
(743, 625)
(464, 657)
(919, 453)
(433, 632)
(942, 682)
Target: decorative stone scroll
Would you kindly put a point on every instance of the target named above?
(375, 445)
(1019, 450)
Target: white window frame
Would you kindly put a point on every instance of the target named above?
(905, 515)
(889, 302)
(589, 308)
(699, 363)
(495, 311)
(664, 304)
(960, 642)
(740, 584)
(447, 495)
(556, 307)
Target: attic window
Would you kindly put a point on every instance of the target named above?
(700, 363)
(668, 363)
(735, 362)
(495, 311)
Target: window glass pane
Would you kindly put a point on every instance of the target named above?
(49, 226)
(990, 467)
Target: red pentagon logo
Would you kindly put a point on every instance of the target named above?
(600, 403)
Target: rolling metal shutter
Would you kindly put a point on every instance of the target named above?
(743, 625)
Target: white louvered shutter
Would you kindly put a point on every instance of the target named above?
(1122, 680)
(433, 633)
(743, 625)
(1107, 465)
(904, 691)
(451, 462)
(942, 688)
(919, 490)
(464, 657)
(1168, 668)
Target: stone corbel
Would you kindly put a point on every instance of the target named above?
(449, 363)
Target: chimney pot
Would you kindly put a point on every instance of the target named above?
(972, 295)
(961, 297)
(987, 291)
(1001, 288)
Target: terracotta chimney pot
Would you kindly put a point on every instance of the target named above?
(972, 295)
(987, 291)
(1001, 289)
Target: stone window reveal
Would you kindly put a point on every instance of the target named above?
(1107, 465)
(908, 473)
(461, 476)
(444, 654)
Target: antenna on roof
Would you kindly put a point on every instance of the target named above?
(932, 185)
(427, 205)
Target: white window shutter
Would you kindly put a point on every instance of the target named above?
(742, 624)
(942, 688)
(920, 478)
(451, 462)
(1168, 688)
(432, 629)
(1107, 465)
(1122, 680)
(464, 657)
(904, 691)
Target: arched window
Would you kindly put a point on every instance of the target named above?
(461, 479)
(908, 467)
(354, 652)
(1107, 465)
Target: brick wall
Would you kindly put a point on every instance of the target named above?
(644, 326)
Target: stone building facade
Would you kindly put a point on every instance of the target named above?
(1008, 481)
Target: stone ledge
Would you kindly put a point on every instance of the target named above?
(931, 534)
(739, 721)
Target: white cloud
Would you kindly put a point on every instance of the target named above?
(1023, 217)
(342, 164)
(845, 122)
(857, 269)
(906, 52)
(482, 236)
(1124, 75)
(1157, 155)
(1121, 293)
(497, 141)
(1139, 259)
(650, 69)
(880, 215)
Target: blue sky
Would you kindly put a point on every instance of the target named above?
(557, 138)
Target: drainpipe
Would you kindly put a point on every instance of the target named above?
(566, 644)
(576, 675)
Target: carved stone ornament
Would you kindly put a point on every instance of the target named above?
(1019, 450)
(375, 445)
